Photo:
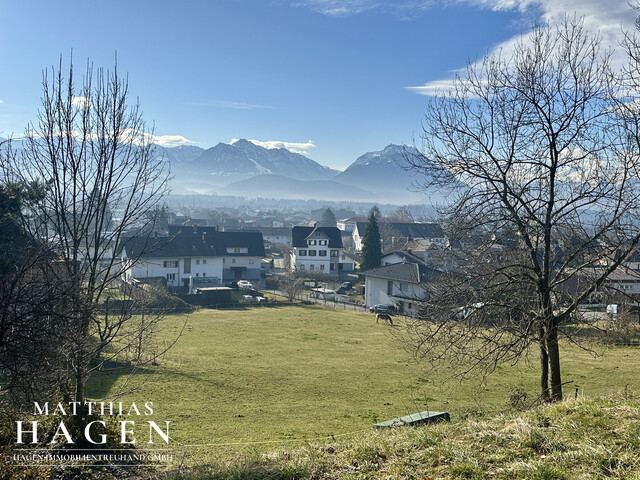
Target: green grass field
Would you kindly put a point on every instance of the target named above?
(260, 378)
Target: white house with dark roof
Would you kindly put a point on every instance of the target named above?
(316, 249)
(204, 254)
(175, 260)
(399, 284)
(429, 232)
(347, 225)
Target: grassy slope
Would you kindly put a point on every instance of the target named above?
(290, 374)
(576, 439)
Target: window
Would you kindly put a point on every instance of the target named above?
(197, 274)
(312, 253)
(224, 260)
(389, 287)
(311, 242)
(236, 250)
(403, 287)
(301, 267)
(323, 242)
(233, 260)
(321, 267)
(312, 267)
(170, 264)
(171, 277)
(204, 274)
(198, 262)
(334, 253)
(251, 260)
(204, 262)
(322, 253)
(302, 253)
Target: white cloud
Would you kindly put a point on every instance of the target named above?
(295, 147)
(339, 8)
(432, 88)
(1, 101)
(136, 137)
(81, 102)
(171, 140)
(609, 18)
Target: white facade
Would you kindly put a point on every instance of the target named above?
(349, 224)
(405, 296)
(347, 262)
(177, 271)
(249, 268)
(316, 257)
(277, 238)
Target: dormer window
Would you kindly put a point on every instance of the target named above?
(311, 242)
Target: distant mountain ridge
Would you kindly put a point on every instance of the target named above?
(246, 169)
(243, 168)
(228, 163)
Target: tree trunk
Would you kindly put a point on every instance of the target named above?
(544, 367)
(553, 351)
(81, 384)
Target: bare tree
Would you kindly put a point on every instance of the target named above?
(93, 151)
(540, 150)
(291, 284)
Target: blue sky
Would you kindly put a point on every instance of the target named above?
(328, 78)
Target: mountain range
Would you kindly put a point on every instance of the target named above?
(242, 168)
(245, 169)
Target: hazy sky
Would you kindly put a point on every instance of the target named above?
(333, 79)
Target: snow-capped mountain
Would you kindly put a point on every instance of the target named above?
(229, 163)
(181, 155)
(381, 170)
(385, 172)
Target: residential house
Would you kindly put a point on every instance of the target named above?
(204, 254)
(401, 284)
(244, 254)
(349, 224)
(347, 262)
(430, 232)
(174, 260)
(624, 280)
(275, 235)
(316, 249)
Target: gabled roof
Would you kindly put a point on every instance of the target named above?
(353, 220)
(403, 272)
(244, 239)
(409, 255)
(210, 244)
(299, 235)
(407, 229)
(171, 247)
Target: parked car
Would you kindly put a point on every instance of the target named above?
(380, 308)
(245, 284)
(345, 287)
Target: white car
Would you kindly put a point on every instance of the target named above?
(245, 284)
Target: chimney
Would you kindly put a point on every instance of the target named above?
(204, 237)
